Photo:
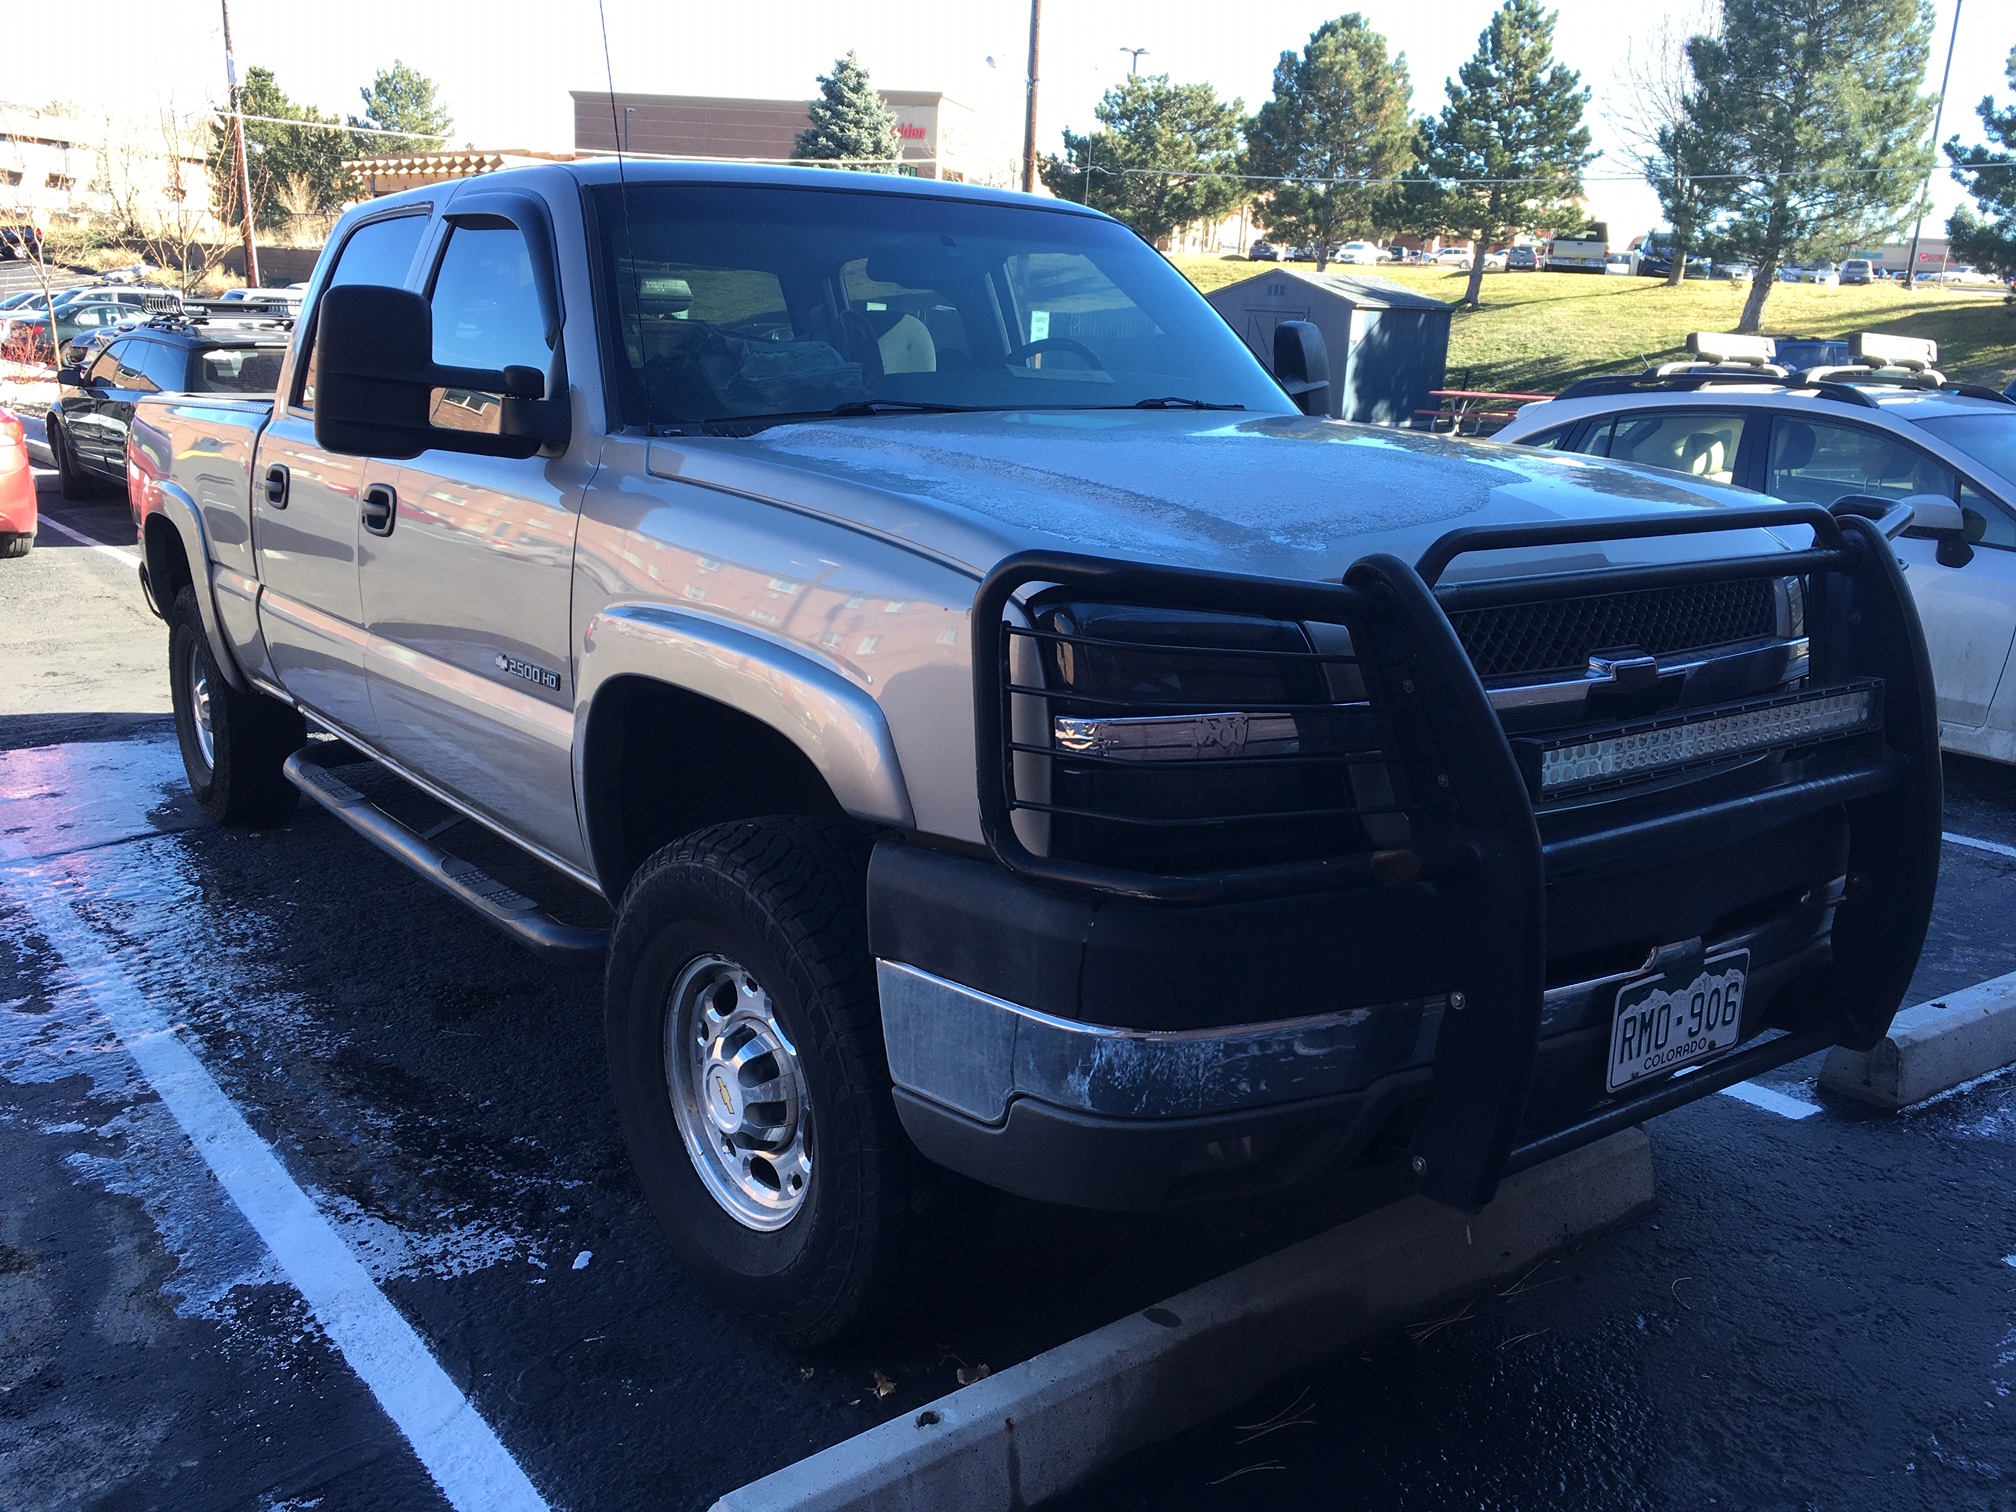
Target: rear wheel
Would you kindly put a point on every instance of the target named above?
(745, 1050)
(233, 744)
(16, 544)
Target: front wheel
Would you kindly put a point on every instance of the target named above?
(745, 1050)
(233, 744)
(76, 482)
(16, 543)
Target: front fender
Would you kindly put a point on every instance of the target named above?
(839, 728)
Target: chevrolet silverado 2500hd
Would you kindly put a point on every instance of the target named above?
(1019, 743)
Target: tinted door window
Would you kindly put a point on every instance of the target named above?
(106, 369)
(380, 252)
(1814, 462)
(486, 303)
(166, 367)
(1700, 444)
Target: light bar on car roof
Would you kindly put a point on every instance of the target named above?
(1894, 351)
(1720, 346)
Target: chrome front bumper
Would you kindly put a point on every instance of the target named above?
(974, 1054)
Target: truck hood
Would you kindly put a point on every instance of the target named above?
(1281, 496)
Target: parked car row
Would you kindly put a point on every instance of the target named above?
(105, 374)
(20, 243)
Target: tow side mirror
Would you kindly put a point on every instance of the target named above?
(1302, 366)
(1934, 517)
(379, 392)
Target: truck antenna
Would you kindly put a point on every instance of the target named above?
(618, 129)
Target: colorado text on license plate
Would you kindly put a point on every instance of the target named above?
(1674, 1020)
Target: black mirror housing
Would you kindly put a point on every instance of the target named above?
(376, 383)
(1302, 366)
(70, 377)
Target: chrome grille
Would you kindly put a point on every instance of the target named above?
(1520, 639)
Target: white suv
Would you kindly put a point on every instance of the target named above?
(1887, 427)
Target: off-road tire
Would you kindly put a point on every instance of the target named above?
(251, 735)
(76, 482)
(786, 899)
(16, 543)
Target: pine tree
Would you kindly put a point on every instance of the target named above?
(1339, 112)
(1807, 107)
(1988, 243)
(1169, 155)
(850, 123)
(401, 98)
(1507, 152)
(293, 168)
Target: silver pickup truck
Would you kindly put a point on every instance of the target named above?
(1021, 739)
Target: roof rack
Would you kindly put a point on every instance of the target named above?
(1881, 361)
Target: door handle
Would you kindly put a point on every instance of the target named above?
(276, 486)
(380, 509)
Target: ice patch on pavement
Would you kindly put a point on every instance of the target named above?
(63, 811)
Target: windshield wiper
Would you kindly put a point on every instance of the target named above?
(899, 407)
(1177, 401)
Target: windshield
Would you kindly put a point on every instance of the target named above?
(1988, 439)
(746, 302)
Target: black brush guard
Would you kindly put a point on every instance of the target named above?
(1477, 840)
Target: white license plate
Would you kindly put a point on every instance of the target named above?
(1665, 1022)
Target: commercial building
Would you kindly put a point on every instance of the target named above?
(58, 167)
(940, 137)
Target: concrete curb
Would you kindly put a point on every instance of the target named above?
(1038, 1429)
(1931, 1048)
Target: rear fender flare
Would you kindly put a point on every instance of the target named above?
(838, 726)
(179, 511)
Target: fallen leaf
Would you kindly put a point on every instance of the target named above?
(883, 1385)
(805, 1373)
(967, 1377)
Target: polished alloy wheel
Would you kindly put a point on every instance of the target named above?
(738, 1094)
(199, 709)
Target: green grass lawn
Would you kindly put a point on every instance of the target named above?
(1538, 332)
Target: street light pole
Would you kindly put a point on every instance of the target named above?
(1029, 120)
(1133, 59)
(244, 166)
(1911, 271)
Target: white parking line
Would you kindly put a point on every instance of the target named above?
(473, 1469)
(130, 558)
(1971, 843)
(1771, 1100)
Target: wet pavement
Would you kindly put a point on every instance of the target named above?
(1820, 1314)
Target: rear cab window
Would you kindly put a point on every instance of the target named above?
(236, 370)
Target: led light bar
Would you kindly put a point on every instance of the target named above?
(1725, 347)
(1894, 351)
(1180, 737)
(1686, 740)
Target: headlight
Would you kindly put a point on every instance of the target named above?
(1182, 737)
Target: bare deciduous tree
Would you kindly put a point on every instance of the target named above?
(1649, 109)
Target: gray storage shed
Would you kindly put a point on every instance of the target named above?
(1388, 345)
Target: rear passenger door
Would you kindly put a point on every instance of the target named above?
(1965, 610)
(467, 584)
(305, 508)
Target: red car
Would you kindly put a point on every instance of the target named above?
(17, 488)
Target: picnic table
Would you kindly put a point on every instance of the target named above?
(1475, 408)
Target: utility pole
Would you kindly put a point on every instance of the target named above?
(1029, 121)
(244, 166)
(1911, 271)
(1133, 59)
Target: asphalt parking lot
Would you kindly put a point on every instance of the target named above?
(1821, 1314)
